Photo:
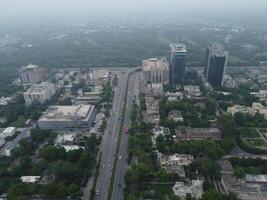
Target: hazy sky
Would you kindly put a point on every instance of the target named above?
(20, 9)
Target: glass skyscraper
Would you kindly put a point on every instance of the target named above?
(215, 64)
(177, 61)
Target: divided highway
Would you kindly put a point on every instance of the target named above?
(122, 164)
(109, 140)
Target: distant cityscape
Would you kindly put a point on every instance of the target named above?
(159, 115)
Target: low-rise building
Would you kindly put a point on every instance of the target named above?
(68, 118)
(65, 138)
(239, 109)
(193, 90)
(160, 130)
(261, 109)
(255, 108)
(193, 187)
(101, 76)
(183, 133)
(152, 110)
(71, 147)
(175, 163)
(29, 179)
(39, 93)
(176, 116)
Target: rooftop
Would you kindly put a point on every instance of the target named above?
(155, 64)
(37, 88)
(178, 48)
(29, 179)
(68, 113)
(217, 50)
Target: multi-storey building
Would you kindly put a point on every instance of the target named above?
(39, 93)
(215, 64)
(156, 70)
(177, 62)
(68, 118)
(32, 74)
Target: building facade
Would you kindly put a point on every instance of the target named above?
(156, 70)
(215, 64)
(39, 93)
(178, 56)
(32, 74)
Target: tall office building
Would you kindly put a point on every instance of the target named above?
(177, 63)
(215, 64)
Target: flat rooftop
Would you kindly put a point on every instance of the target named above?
(178, 48)
(155, 64)
(217, 50)
(67, 113)
(38, 88)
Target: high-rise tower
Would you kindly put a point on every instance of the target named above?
(177, 63)
(215, 64)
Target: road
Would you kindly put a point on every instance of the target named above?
(109, 140)
(122, 165)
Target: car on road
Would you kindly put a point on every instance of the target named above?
(119, 157)
(104, 166)
(97, 192)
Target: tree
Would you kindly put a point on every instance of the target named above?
(227, 124)
(64, 171)
(239, 172)
(17, 191)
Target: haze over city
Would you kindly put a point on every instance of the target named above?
(133, 99)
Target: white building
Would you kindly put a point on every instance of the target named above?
(39, 93)
(194, 188)
(67, 118)
(32, 74)
(156, 70)
(29, 179)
